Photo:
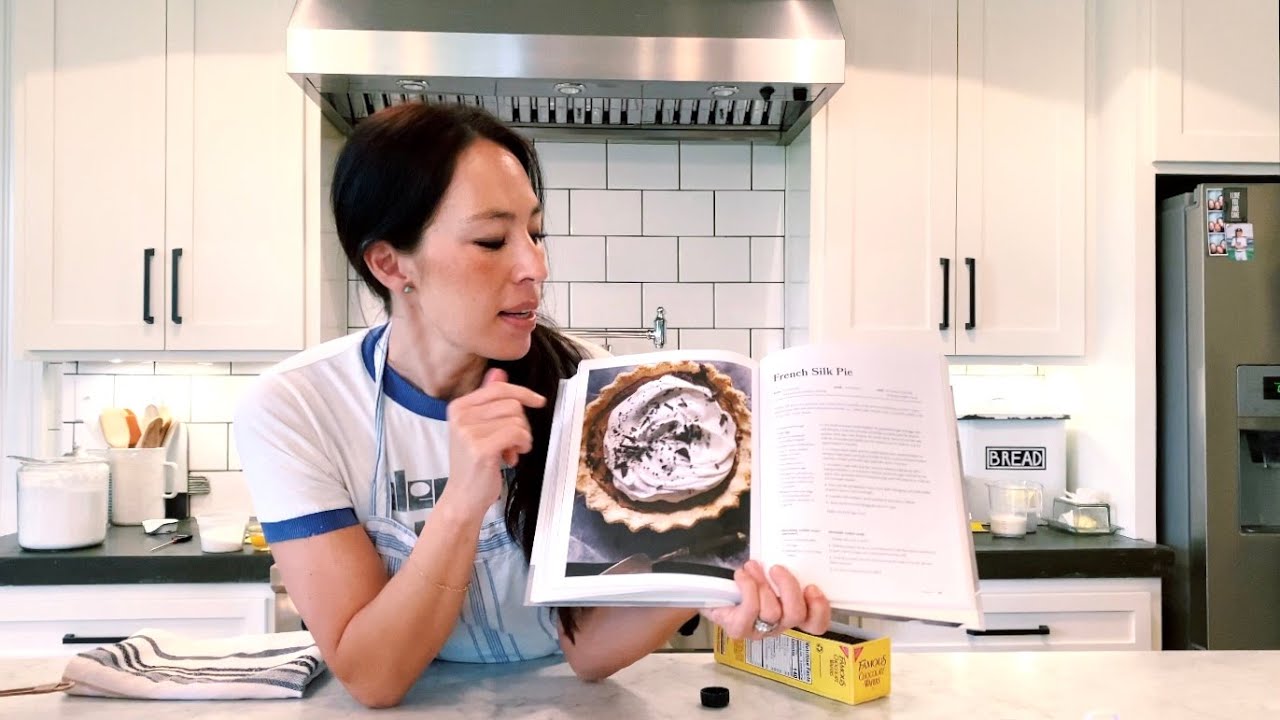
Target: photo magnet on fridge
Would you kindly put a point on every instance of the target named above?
(1240, 241)
(1237, 209)
(1213, 199)
(1217, 245)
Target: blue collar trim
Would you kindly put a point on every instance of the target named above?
(401, 391)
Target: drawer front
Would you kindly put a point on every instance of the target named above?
(50, 622)
(1025, 622)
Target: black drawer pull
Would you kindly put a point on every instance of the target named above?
(946, 293)
(73, 639)
(147, 317)
(973, 293)
(173, 291)
(1041, 630)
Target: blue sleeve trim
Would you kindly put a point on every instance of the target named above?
(309, 525)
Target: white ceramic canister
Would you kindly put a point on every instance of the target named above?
(62, 503)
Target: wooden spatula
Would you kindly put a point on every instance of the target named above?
(115, 427)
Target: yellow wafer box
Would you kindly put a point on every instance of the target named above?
(840, 667)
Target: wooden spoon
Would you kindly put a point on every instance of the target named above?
(115, 428)
(152, 435)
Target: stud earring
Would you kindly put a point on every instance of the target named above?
(408, 289)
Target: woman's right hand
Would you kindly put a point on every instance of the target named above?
(487, 427)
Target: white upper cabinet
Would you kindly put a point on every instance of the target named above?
(888, 263)
(1216, 80)
(1020, 230)
(956, 177)
(235, 204)
(89, 173)
(159, 158)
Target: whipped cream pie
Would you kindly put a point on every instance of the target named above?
(669, 441)
(665, 446)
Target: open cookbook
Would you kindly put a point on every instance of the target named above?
(668, 470)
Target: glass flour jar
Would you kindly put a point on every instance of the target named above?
(62, 503)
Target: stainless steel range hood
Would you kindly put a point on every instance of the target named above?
(678, 69)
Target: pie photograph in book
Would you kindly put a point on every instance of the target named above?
(663, 482)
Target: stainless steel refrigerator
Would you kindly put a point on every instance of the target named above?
(1219, 415)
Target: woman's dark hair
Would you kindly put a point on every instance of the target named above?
(387, 184)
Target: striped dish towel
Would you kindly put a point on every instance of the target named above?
(159, 665)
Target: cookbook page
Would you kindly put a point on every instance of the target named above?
(659, 472)
(862, 492)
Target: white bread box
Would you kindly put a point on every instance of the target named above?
(1015, 447)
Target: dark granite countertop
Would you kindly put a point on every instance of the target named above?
(1051, 553)
(125, 557)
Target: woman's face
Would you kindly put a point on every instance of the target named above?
(478, 273)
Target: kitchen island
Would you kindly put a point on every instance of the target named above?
(1164, 685)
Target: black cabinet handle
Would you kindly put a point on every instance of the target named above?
(1041, 630)
(73, 639)
(147, 256)
(946, 293)
(173, 291)
(973, 293)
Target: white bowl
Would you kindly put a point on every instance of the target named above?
(222, 532)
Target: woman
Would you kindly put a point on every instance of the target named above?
(348, 446)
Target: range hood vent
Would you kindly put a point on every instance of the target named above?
(674, 69)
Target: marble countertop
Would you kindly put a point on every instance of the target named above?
(1204, 685)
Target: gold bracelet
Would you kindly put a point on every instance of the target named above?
(442, 586)
(451, 588)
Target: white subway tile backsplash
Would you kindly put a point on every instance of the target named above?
(679, 212)
(748, 305)
(748, 212)
(767, 259)
(641, 259)
(738, 341)
(688, 305)
(605, 305)
(764, 342)
(572, 165)
(90, 396)
(644, 166)
(214, 398)
(768, 167)
(206, 446)
(555, 302)
(796, 258)
(228, 492)
(710, 259)
(576, 258)
(715, 166)
(193, 368)
(135, 392)
(795, 304)
(555, 212)
(604, 212)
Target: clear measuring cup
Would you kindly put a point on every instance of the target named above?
(1015, 504)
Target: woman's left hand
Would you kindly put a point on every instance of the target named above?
(807, 610)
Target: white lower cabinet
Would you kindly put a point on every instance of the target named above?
(62, 620)
(1050, 614)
